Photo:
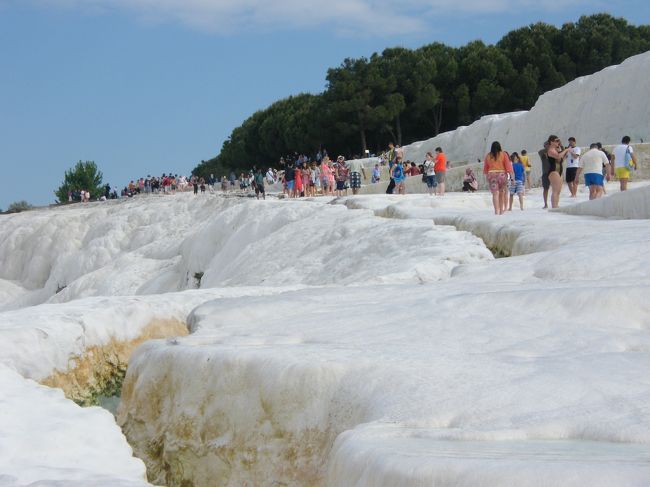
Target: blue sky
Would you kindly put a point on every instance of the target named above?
(151, 86)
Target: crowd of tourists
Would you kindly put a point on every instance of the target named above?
(507, 174)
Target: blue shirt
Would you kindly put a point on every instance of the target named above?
(520, 171)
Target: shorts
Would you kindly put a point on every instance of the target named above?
(259, 188)
(496, 181)
(594, 179)
(325, 182)
(622, 173)
(440, 177)
(546, 182)
(431, 181)
(340, 185)
(517, 187)
(290, 185)
(355, 180)
(571, 173)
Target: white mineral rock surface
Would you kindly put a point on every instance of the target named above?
(371, 340)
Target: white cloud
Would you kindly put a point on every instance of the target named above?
(387, 17)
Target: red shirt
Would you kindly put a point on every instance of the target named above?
(441, 162)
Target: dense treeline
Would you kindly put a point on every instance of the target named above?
(404, 95)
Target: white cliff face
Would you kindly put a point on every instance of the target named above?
(371, 340)
(601, 107)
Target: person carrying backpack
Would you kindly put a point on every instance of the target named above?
(624, 161)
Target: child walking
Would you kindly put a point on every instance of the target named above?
(517, 184)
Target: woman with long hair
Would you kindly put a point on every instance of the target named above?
(496, 167)
(555, 154)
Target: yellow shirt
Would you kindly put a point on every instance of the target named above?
(526, 163)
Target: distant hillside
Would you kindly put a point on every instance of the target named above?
(407, 95)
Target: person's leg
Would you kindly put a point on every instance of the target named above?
(512, 198)
(623, 182)
(556, 188)
(503, 194)
(592, 192)
(571, 181)
(496, 203)
(521, 200)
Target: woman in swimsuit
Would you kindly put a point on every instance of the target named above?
(555, 156)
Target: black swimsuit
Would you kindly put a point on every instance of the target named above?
(555, 165)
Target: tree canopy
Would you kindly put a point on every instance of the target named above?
(83, 176)
(404, 95)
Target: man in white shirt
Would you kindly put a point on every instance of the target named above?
(591, 163)
(573, 160)
(618, 160)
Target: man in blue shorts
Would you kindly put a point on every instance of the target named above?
(591, 163)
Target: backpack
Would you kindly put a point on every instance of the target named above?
(629, 162)
(398, 172)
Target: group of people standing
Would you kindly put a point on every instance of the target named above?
(506, 176)
(511, 172)
(327, 178)
(596, 164)
(433, 171)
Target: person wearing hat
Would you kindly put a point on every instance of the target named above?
(342, 173)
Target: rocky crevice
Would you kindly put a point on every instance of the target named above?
(100, 370)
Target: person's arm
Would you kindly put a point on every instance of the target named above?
(507, 164)
(557, 155)
(363, 171)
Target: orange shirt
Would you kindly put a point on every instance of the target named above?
(501, 164)
(441, 162)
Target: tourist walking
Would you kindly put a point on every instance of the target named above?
(342, 173)
(441, 170)
(591, 163)
(525, 160)
(356, 170)
(399, 176)
(624, 161)
(518, 183)
(430, 173)
(496, 167)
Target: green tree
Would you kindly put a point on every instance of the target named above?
(446, 83)
(361, 99)
(410, 74)
(83, 176)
